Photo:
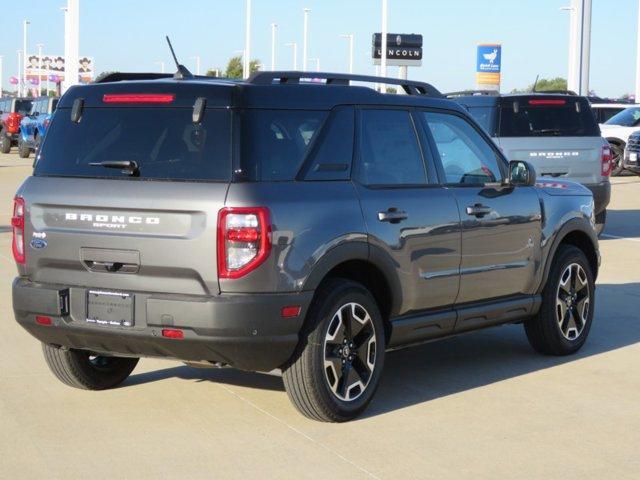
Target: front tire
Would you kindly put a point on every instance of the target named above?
(81, 369)
(336, 370)
(23, 149)
(5, 143)
(565, 317)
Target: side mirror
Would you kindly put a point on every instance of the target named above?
(521, 174)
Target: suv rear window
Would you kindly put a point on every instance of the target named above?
(547, 117)
(164, 143)
(23, 107)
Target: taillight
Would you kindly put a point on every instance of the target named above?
(138, 98)
(46, 122)
(606, 165)
(17, 226)
(243, 240)
(547, 101)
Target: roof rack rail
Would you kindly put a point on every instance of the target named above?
(471, 93)
(289, 77)
(121, 76)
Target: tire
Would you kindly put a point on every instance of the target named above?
(545, 332)
(617, 156)
(601, 219)
(315, 377)
(5, 143)
(80, 369)
(23, 149)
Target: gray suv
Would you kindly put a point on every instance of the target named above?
(557, 133)
(281, 223)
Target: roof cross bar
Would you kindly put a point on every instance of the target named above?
(410, 87)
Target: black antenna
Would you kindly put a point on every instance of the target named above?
(535, 84)
(182, 72)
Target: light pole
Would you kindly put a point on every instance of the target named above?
(383, 43)
(274, 27)
(305, 34)
(295, 53)
(197, 59)
(24, 60)
(19, 86)
(161, 63)
(637, 92)
(579, 45)
(246, 65)
(40, 47)
(350, 37)
(317, 60)
(71, 44)
(1, 57)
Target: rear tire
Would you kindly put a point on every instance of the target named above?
(601, 219)
(562, 325)
(80, 369)
(335, 372)
(5, 143)
(617, 157)
(23, 149)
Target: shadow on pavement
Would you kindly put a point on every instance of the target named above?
(434, 370)
(623, 223)
(4, 229)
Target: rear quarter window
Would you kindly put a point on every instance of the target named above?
(547, 117)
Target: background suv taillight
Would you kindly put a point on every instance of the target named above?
(606, 166)
(17, 226)
(243, 240)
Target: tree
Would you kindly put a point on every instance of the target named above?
(545, 84)
(234, 67)
(212, 72)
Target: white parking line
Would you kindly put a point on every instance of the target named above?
(616, 237)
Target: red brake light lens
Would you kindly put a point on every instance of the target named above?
(607, 159)
(17, 227)
(43, 320)
(138, 98)
(173, 333)
(548, 101)
(243, 240)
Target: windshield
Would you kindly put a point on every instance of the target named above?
(23, 107)
(629, 117)
(164, 143)
(547, 117)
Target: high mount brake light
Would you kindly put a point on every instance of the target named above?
(17, 228)
(244, 240)
(607, 160)
(138, 97)
(548, 101)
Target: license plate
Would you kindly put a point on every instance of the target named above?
(110, 308)
(633, 157)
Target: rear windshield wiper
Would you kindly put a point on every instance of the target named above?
(547, 131)
(126, 166)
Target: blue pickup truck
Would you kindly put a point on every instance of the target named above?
(34, 125)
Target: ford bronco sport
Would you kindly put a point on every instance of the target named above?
(557, 133)
(277, 223)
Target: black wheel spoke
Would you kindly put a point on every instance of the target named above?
(572, 301)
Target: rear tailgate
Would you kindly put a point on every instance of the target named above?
(574, 158)
(148, 227)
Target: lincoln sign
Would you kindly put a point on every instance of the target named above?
(403, 50)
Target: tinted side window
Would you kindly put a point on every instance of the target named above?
(465, 155)
(389, 150)
(485, 116)
(275, 142)
(331, 158)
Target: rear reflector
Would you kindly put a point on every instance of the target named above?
(172, 333)
(42, 320)
(138, 98)
(291, 311)
(547, 101)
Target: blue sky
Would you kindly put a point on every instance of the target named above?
(128, 35)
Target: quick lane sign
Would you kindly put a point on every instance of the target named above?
(402, 49)
(488, 64)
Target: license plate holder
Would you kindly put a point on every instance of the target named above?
(112, 309)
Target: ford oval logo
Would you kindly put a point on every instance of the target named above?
(38, 243)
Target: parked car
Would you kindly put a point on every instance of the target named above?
(617, 131)
(603, 111)
(631, 161)
(11, 112)
(279, 224)
(34, 126)
(557, 133)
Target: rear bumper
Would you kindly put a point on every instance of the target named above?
(633, 166)
(244, 331)
(601, 195)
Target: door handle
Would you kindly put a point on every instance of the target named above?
(478, 210)
(393, 215)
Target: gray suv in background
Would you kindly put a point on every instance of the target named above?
(279, 223)
(557, 133)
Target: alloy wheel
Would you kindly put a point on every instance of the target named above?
(573, 301)
(350, 351)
